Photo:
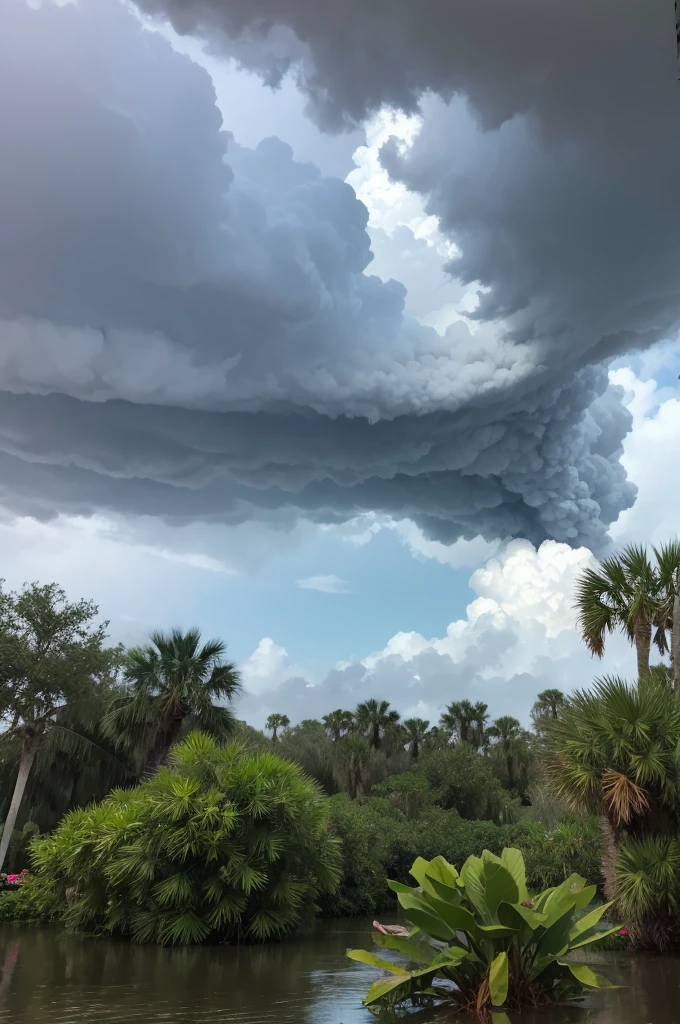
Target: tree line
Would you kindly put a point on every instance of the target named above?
(83, 718)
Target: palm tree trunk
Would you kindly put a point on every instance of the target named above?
(675, 643)
(165, 737)
(376, 736)
(30, 744)
(643, 644)
(611, 852)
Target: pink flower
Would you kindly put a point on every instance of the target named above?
(623, 931)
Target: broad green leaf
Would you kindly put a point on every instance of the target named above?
(514, 915)
(500, 887)
(457, 917)
(586, 976)
(423, 917)
(450, 893)
(452, 956)
(513, 861)
(556, 937)
(471, 877)
(362, 956)
(585, 896)
(595, 937)
(419, 871)
(589, 920)
(399, 887)
(416, 949)
(498, 979)
(443, 871)
(496, 931)
(379, 989)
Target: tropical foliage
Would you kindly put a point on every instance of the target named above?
(51, 652)
(220, 845)
(631, 593)
(479, 940)
(174, 683)
(614, 753)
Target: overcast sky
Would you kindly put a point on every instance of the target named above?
(352, 362)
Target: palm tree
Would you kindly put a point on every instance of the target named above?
(546, 708)
(373, 717)
(416, 731)
(480, 717)
(337, 723)
(511, 743)
(276, 722)
(466, 721)
(627, 592)
(355, 756)
(173, 684)
(613, 752)
(668, 568)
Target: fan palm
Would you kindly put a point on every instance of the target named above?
(612, 751)
(373, 717)
(548, 703)
(629, 593)
(276, 722)
(466, 721)
(338, 723)
(173, 683)
(416, 731)
(512, 745)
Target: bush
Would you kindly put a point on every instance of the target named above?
(461, 780)
(25, 903)
(223, 844)
(574, 845)
(380, 842)
(482, 942)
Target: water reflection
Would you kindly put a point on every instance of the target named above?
(48, 976)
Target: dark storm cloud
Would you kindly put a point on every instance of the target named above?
(186, 329)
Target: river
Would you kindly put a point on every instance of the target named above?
(49, 977)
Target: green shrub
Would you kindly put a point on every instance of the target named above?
(363, 883)
(461, 780)
(648, 894)
(575, 845)
(480, 942)
(222, 844)
(25, 903)
(379, 841)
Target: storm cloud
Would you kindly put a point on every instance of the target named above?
(186, 326)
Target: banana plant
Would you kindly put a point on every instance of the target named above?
(479, 940)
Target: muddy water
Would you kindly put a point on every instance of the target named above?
(48, 977)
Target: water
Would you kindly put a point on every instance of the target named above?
(49, 977)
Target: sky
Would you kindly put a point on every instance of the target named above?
(355, 363)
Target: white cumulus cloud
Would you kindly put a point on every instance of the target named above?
(325, 584)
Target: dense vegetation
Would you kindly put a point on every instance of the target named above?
(220, 844)
(483, 942)
(89, 732)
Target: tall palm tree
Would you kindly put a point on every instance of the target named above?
(338, 723)
(613, 752)
(416, 731)
(628, 592)
(668, 569)
(547, 707)
(510, 741)
(173, 683)
(373, 717)
(466, 721)
(276, 722)
(480, 717)
(353, 762)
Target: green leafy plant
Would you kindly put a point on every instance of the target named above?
(480, 941)
(222, 844)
